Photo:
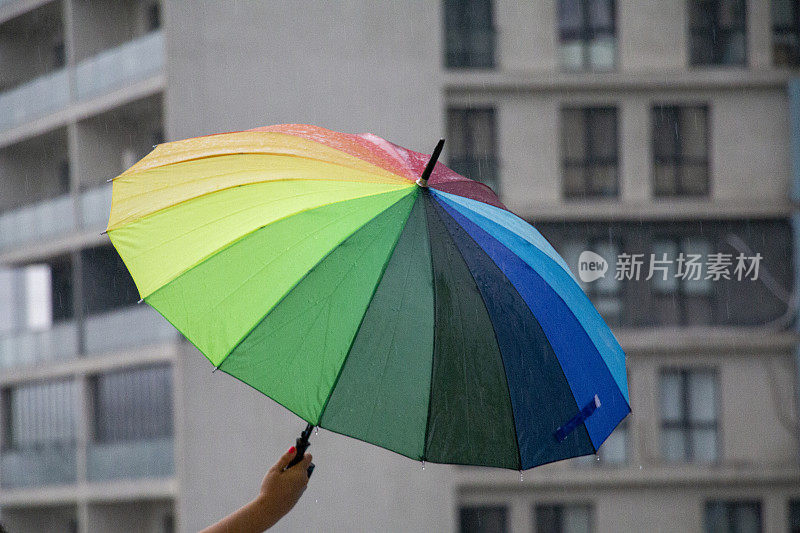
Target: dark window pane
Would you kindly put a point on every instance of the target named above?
(469, 34)
(601, 14)
(471, 134)
(794, 516)
(733, 517)
(603, 134)
(589, 151)
(718, 32)
(680, 150)
(483, 519)
(107, 284)
(570, 17)
(153, 17)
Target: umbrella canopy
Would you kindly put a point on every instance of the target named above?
(430, 321)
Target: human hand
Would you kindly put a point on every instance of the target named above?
(281, 487)
(280, 490)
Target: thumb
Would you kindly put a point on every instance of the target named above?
(286, 458)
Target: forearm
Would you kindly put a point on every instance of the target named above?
(255, 517)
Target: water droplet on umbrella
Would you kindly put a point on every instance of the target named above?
(423, 464)
(316, 431)
(520, 476)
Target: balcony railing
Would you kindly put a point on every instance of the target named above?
(54, 218)
(129, 327)
(58, 343)
(31, 100)
(47, 465)
(37, 221)
(111, 69)
(132, 459)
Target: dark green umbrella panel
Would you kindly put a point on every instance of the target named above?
(430, 321)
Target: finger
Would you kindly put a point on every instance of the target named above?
(286, 458)
(306, 460)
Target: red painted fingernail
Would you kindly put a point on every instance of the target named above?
(292, 449)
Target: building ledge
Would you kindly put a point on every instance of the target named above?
(133, 489)
(157, 353)
(456, 82)
(722, 339)
(471, 481)
(667, 209)
(38, 250)
(79, 110)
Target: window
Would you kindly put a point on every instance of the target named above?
(680, 150)
(472, 144)
(614, 451)
(786, 32)
(132, 404)
(587, 34)
(483, 519)
(733, 516)
(794, 516)
(718, 32)
(606, 291)
(107, 285)
(689, 415)
(39, 415)
(563, 518)
(469, 34)
(677, 275)
(589, 151)
(153, 17)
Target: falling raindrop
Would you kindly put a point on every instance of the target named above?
(640, 467)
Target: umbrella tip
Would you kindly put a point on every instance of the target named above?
(423, 180)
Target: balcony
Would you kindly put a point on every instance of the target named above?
(125, 328)
(118, 67)
(152, 458)
(27, 348)
(112, 69)
(41, 96)
(47, 465)
(54, 218)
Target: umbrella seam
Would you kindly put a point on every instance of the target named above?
(433, 355)
(494, 331)
(283, 297)
(132, 218)
(571, 311)
(361, 322)
(245, 235)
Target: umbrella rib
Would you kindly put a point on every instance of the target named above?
(240, 237)
(283, 297)
(361, 322)
(439, 211)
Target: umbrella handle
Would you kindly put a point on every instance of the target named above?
(302, 444)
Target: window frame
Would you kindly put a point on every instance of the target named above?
(685, 424)
(590, 160)
(718, 49)
(730, 508)
(587, 34)
(780, 29)
(677, 158)
(463, 56)
(457, 161)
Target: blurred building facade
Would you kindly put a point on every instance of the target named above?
(652, 130)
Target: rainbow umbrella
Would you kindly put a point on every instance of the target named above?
(417, 314)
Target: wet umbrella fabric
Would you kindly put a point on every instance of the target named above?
(430, 321)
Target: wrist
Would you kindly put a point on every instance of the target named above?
(264, 511)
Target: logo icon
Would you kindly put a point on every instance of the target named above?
(591, 266)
